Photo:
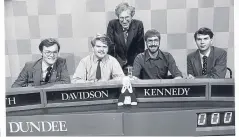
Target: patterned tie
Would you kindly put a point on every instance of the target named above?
(204, 69)
(48, 74)
(98, 71)
(125, 35)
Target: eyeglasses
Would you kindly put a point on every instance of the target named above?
(48, 53)
(150, 42)
(126, 18)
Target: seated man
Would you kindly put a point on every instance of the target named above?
(207, 61)
(50, 69)
(98, 66)
(154, 63)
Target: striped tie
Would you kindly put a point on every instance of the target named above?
(125, 35)
(204, 69)
(48, 74)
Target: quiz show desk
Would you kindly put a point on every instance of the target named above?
(165, 108)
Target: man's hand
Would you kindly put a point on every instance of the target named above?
(133, 78)
(101, 80)
(190, 76)
(90, 81)
(179, 77)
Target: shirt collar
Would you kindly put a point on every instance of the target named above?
(201, 55)
(45, 66)
(147, 56)
(95, 59)
(125, 29)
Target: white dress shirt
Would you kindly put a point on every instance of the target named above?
(207, 55)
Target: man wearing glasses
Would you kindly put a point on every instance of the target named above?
(127, 36)
(154, 63)
(48, 70)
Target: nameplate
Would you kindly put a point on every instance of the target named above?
(23, 99)
(64, 125)
(171, 91)
(222, 91)
(82, 95)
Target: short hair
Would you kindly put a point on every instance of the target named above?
(123, 7)
(204, 31)
(101, 37)
(152, 33)
(49, 42)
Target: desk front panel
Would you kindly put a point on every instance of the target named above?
(166, 107)
(155, 122)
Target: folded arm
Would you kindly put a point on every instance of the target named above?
(80, 73)
(65, 78)
(22, 79)
(137, 66)
(117, 72)
(177, 74)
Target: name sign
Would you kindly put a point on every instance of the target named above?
(171, 91)
(67, 124)
(82, 95)
(38, 126)
(23, 99)
(222, 91)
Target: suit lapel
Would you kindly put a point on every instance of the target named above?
(37, 72)
(54, 72)
(130, 34)
(121, 35)
(197, 63)
(210, 60)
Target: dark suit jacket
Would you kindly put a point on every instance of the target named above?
(216, 64)
(135, 41)
(31, 74)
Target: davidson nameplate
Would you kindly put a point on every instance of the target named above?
(82, 95)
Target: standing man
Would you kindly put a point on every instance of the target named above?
(50, 69)
(98, 66)
(207, 61)
(154, 63)
(126, 34)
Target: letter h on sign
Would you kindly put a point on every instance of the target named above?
(11, 101)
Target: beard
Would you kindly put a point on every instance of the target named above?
(152, 51)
